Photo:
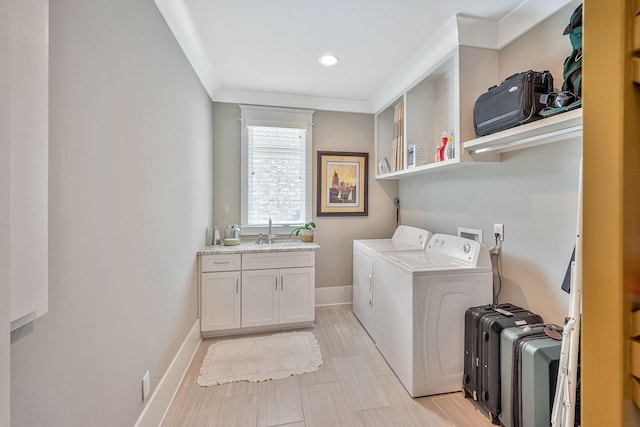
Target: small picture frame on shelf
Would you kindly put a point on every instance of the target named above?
(383, 166)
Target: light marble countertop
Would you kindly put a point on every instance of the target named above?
(252, 247)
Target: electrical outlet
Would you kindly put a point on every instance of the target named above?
(146, 386)
(499, 229)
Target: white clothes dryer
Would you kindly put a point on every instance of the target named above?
(405, 238)
(420, 304)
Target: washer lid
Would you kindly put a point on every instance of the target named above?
(421, 263)
(384, 245)
(405, 238)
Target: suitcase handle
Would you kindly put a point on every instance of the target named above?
(503, 312)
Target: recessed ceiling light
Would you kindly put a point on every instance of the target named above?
(328, 60)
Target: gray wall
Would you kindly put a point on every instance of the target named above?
(533, 192)
(4, 212)
(332, 131)
(130, 198)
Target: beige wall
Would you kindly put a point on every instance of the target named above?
(532, 192)
(332, 131)
(349, 132)
(541, 48)
(130, 198)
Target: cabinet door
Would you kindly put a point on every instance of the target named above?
(363, 292)
(220, 301)
(297, 295)
(260, 304)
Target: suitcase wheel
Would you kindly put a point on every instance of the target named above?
(494, 419)
(466, 393)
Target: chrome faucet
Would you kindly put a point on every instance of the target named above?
(268, 238)
(271, 237)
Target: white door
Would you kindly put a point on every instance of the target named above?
(220, 303)
(260, 305)
(363, 290)
(297, 295)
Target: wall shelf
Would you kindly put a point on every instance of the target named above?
(436, 103)
(551, 129)
(421, 170)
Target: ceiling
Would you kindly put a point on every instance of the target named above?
(266, 51)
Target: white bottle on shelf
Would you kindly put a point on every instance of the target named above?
(451, 149)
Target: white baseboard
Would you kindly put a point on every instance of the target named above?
(156, 409)
(334, 295)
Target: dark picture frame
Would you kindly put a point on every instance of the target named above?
(342, 183)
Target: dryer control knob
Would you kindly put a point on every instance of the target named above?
(466, 248)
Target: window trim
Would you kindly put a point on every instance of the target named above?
(252, 115)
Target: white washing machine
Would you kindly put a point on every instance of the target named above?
(405, 238)
(420, 304)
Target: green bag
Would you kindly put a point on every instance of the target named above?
(572, 72)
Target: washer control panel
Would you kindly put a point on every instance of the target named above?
(412, 237)
(457, 247)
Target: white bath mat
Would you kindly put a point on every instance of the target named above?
(260, 358)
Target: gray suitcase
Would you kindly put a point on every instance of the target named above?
(529, 369)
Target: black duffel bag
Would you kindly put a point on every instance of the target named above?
(514, 102)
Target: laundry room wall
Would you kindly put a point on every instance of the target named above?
(533, 192)
(332, 131)
(129, 201)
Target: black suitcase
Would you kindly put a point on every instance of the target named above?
(514, 102)
(471, 374)
(482, 350)
(490, 327)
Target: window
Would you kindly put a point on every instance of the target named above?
(276, 167)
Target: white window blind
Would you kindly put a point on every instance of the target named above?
(276, 169)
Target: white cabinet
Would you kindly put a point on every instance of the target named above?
(25, 160)
(283, 293)
(220, 292)
(220, 301)
(256, 291)
(363, 290)
(438, 102)
(277, 296)
(260, 298)
(297, 294)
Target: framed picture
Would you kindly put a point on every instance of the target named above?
(342, 183)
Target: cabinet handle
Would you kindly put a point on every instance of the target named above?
(276, 280)
(369, 282)
(281, 282)
(221, 262)
(237, 286)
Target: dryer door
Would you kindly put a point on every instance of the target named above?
(363, 290)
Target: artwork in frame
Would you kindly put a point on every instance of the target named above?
(342, 183)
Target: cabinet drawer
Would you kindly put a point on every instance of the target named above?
(220, 262)
(257, 261)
